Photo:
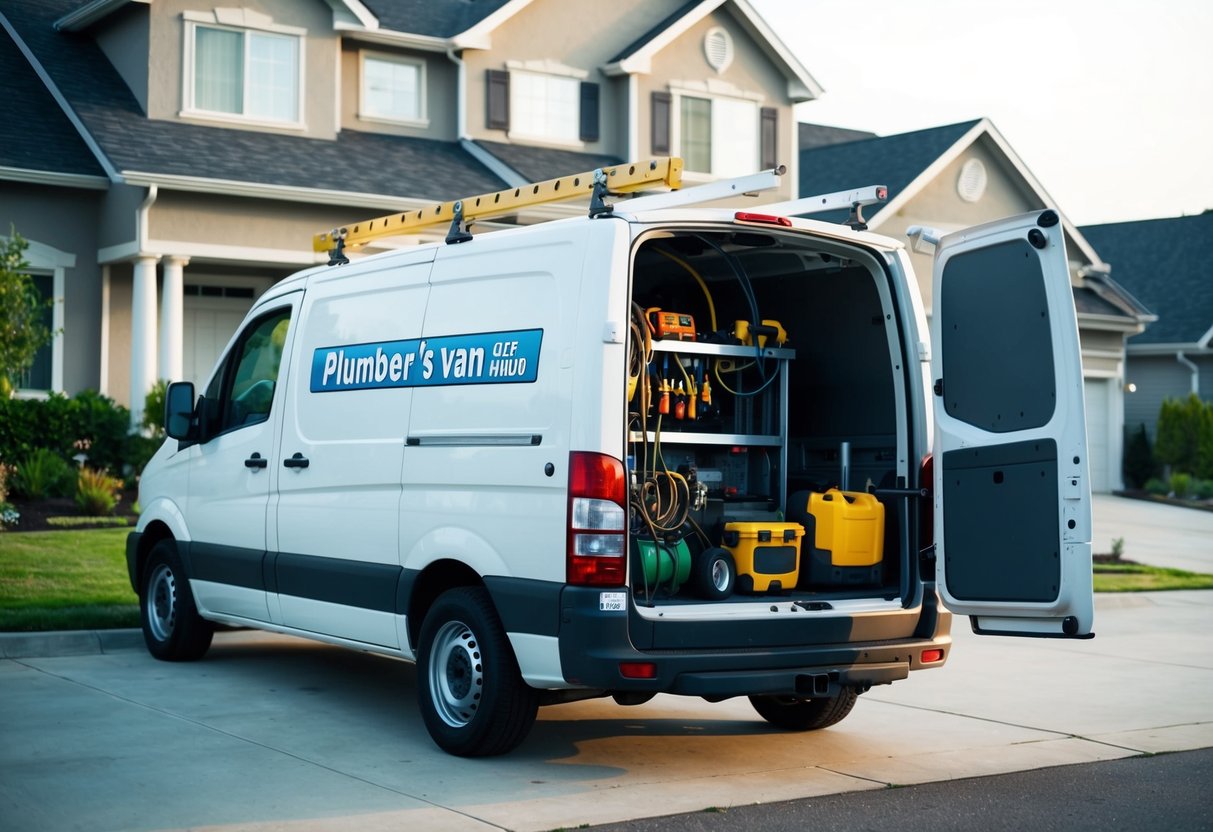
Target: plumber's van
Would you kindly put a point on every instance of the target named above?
(659, 449)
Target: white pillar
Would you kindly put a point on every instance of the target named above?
(143, 334)
(172, 314)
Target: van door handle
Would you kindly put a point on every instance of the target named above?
(298, 460)
(256, 461)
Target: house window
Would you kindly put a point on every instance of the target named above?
(393, 88)
(544, 106)
(38, 376)
(718, 135)
(246, 73)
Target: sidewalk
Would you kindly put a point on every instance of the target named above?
(1154, 533)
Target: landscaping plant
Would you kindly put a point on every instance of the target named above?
(43, 474)
(96, 491)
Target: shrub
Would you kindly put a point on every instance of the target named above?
(86, 423)
(1156, 486)
(1185, 435)
(96, 491)
(8, 515)
(1181, 484)
(1118, 548)
(1203, 489)
(1139, 458)
(43, 474)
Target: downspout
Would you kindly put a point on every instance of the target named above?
(1192, 369)
(461, 119)
(141, 218)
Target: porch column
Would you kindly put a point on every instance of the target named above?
(143, 334)
(172, 312)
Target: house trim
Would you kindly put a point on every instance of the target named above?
(500, 169)
(212, 252)
(48, 260)
(479, 36)
(54, 178)
(257, 190)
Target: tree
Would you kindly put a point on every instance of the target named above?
(1185, 435)
(22, 330)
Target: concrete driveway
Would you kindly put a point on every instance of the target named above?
(270, 732)
(1157, 534)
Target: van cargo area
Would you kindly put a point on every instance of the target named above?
(765, 367)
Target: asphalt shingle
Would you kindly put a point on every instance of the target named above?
(540, 163)
(1165, 264)
(435, 18)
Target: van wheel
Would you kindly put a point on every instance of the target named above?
(172, 628)
(792, 713)
(471, 693)
(714, 574)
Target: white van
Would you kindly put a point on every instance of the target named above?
(657, 450)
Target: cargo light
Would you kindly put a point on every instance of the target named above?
(597, 520)
(638, 670)
(768, 219)
(935, 654)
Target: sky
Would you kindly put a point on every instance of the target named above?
(1109, 103)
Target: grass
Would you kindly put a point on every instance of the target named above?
(65, 580)
(1137, 577)
(76, 580)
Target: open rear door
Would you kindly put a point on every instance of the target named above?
(1012, 494)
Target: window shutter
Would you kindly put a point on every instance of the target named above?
(662, 101)
(589, 111)
(768, 141)
(497, 116)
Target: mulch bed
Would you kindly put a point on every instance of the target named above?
(35, 513)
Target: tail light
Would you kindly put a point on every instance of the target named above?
(926, 505)
(597, 520)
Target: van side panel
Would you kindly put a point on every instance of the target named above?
(485, 465)
(337, 529)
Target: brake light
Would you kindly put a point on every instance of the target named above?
(935, 654)
(638, 670)
(597, 520)
(926, 505)
(769, 219)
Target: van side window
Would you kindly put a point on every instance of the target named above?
(244, 390)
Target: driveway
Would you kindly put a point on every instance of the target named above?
(1154, 533)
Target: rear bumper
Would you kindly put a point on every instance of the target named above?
(593, 645)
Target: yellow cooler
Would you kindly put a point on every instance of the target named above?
(766, 553)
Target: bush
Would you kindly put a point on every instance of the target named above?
(87, 423)
(97, 492)
(1203, 489)
(43, 474)
(1156, 486)
(1185, 435)
(1139, 458)
(1181, 484)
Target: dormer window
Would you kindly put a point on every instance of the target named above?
(244, 73)
(393, 89)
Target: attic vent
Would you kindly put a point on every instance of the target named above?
(971, 183)
(718, 49)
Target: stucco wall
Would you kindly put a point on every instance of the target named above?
(441, 93)
(123, 38)
(65, 219)
(166, 95)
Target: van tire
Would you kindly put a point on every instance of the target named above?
(172, 628)
(472, 696)
(792, 713)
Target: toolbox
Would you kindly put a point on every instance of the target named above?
(766, 553)
(846, 546)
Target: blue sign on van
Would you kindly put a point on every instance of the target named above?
(481, 358)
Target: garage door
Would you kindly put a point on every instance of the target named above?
(210, 318)
(1099, 405)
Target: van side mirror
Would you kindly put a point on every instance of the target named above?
(179, 411)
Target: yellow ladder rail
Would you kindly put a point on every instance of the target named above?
(618, 179)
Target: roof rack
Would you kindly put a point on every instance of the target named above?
(460, 213)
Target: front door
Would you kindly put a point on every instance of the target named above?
(1012, 490)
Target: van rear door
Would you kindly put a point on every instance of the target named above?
(1012, 494)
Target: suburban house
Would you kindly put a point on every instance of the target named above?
(173, 157)
(1165, 263)
(960, 175)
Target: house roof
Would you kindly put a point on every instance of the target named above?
(126, 142)
(1165, 263)
(432, 18)
(811, 136)
(40, 137)
(895, 161)
(536, 164)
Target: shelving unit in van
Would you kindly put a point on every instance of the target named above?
(757, 421)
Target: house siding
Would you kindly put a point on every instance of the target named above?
(123, 38)
(211, 219)
(65, 219)
(1159, 377)
(319, 77)
(441, 93)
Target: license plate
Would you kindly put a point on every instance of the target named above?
(612, 601)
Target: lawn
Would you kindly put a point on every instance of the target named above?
(76, 580)
(65, 580)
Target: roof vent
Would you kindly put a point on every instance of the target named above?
(971, 183)
(718, 48)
